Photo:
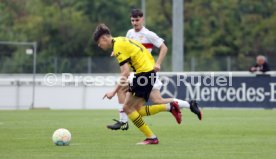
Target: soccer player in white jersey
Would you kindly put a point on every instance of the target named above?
(149, 39)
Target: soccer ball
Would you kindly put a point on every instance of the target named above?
(61, 137)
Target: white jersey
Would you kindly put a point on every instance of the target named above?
(145, 37)
(148, 39)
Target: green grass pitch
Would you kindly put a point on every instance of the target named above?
(223, 134)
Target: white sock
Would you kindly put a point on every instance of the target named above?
(168, 107)
(123, 116)
(182, 104)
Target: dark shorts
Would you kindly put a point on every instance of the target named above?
(142, 84)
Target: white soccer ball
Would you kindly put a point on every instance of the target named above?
(61, 137)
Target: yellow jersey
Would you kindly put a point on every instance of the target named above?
(135, 54)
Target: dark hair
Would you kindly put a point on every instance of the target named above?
(135, 13)
(101, 29)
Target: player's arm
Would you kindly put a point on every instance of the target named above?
(162, 53)
(123, 76)
(159, 43)
(123, 80)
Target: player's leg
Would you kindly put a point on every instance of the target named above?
(131, 105)
(121, 98)
(154, 109)
(139, 92)
(122, 123)
(159, 106)
(168, 104)
(148, 110)
(156, 97)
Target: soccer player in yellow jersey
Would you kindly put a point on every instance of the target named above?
(149, 40)
(130, 53)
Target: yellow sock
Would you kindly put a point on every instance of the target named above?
(152, 109)
(137, 120)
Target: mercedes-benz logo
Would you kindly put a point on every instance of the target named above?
(169, 88)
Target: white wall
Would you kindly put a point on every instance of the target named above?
(16, 93)
(68, 91)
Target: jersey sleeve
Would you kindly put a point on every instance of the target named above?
(121, 55)
(154, 39)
